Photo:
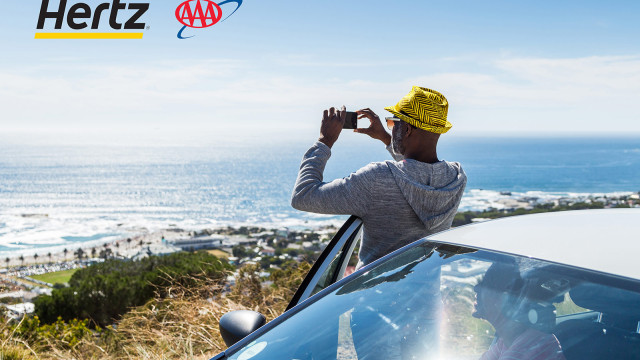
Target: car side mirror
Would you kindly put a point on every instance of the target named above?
(236, 325)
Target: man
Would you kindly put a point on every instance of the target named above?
(399, 201)
(499, 301)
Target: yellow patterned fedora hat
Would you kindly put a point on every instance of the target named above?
(423, 108)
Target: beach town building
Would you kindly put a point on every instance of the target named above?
(17, 311)
(239, 240)
(283, 232)
(155, 249)
(267, 251)
(199, 243)
(261, 234)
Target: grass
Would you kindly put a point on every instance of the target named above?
(219, 253)
(183, 325)
(24, 281)
(58, 277)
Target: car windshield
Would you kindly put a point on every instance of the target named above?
(441, 302)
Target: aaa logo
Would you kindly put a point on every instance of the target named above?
(199, 14)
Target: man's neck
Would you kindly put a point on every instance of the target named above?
(429, 157)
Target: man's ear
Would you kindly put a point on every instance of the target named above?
(409, 130)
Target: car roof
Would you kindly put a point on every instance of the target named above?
(605, 240)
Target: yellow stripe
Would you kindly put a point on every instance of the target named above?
(87, 35)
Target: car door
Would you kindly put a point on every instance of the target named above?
(333, 263)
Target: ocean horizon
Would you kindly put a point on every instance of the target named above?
(66, 196)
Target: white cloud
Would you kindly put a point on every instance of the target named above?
(592, 94)
(521, 81)
(512, 94)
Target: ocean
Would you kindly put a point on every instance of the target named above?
(66, 196)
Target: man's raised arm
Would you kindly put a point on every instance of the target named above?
(347, 196)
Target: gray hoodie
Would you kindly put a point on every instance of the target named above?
(398, 201)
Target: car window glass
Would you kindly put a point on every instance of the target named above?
(567, 307)
(473, 303)
(327, 276)
(459, 299)
(330, 276)
(436, 303)
(353, 259)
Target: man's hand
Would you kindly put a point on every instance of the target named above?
(375, 130)
(332, 122)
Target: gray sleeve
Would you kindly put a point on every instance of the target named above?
(395, 156)
(348, 196)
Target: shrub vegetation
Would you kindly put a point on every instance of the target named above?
(104, 291)
(180, 321)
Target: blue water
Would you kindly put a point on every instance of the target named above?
(88, 193)
(565, 165)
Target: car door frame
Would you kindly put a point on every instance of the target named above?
(345, 239)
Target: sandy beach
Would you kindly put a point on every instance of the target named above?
(125, 247)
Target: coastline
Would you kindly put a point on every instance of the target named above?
(135, 239)
(120, 245)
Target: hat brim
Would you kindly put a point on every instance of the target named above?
(434, 129)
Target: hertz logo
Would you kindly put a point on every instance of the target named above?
(80, 16)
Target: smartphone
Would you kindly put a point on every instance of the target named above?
(351, 122)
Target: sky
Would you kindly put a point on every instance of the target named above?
(507, 68)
